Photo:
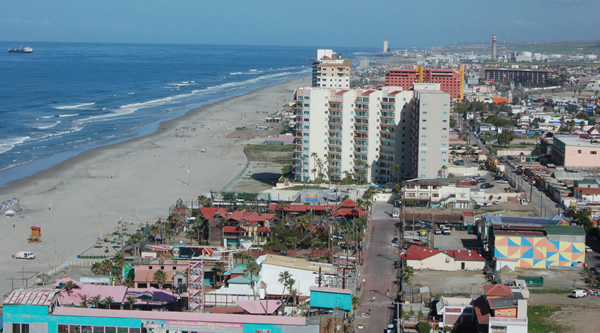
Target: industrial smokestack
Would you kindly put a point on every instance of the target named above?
(494, 54)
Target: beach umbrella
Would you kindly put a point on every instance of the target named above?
(15, 199)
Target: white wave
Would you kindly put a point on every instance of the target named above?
(9, 144)
(46, 117)
(68, 115)
(131, 108)
(46, 126)
(75, 106)
(130, 93)
(250, 72)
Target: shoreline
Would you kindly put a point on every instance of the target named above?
(134, 181)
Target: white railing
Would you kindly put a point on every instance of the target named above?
(67, 264)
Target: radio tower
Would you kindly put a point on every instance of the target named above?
(494, 54)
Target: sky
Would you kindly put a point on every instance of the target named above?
(318, 23)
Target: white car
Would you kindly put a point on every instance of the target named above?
(486, 204)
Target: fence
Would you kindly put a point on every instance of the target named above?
(68, 264)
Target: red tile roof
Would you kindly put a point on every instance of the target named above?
(465, 255)
(417, 252)
(497, 290)
(232, 230)
(468, 214)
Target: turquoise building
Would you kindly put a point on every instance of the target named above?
(37, 310)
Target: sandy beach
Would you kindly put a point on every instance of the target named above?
(135, 181)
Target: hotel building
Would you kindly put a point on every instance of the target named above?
(535, 76)
(362, 133)
(451, 81)
(330, 70)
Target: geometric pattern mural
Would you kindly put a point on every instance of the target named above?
(539, 252)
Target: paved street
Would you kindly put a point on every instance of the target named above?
(541, 202)
(379, 286)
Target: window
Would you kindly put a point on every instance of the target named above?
(593, 152)
(20, 328)
(579, 152)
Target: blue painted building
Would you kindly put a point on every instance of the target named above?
(331, 298)
(37, 310)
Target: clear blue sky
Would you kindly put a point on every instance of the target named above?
(320, 23)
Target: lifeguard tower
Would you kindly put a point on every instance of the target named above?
(36, 235)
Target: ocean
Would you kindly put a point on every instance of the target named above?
(67, 98)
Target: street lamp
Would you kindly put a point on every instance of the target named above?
(189, 165)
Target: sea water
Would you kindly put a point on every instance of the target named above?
(67, 98)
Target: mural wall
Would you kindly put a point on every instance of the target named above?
(539, 252)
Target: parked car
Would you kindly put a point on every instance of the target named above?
(578, 293)
(477, 206)
(510, 158)
(446, 231)
(496, 202)
(595, 271)
(24, 255)
(395, 240)
(588, 249)
(437, 231)
(486, 204)
(486, 185)
(498, 177)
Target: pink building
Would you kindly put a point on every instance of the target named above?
(576, 151)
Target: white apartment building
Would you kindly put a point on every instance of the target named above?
(330, 70)
(362, 133)
(430, 131)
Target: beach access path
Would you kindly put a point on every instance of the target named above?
(135, 181)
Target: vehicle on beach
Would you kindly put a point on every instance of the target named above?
(24, 255)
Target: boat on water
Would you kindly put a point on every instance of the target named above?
(26, 50)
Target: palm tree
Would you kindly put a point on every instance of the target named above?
(84, 301)
(169, 233)
(96, 268)
(219, 270)
(221, 223)
(252, 269)
(96, 300)
(283, 279)
(292, 292)
(160, 277)
(108, 300)
(70, 285)
(155, 230)
(131, 300)
(204, 201)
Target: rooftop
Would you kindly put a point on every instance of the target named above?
(576, 140)
(564, 229)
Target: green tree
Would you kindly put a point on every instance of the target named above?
(506, 137)
(96, 300)
(283, 279)
(219, 270)
(108, 300)
(69, 286)
(160, 277)
(423, 327)
(221, 223)
(407, 273)
(131, 300)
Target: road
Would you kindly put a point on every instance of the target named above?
(542, 203)
(378, 286)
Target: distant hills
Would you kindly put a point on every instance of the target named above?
(584, 47)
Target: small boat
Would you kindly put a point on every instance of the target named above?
(26, 50)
